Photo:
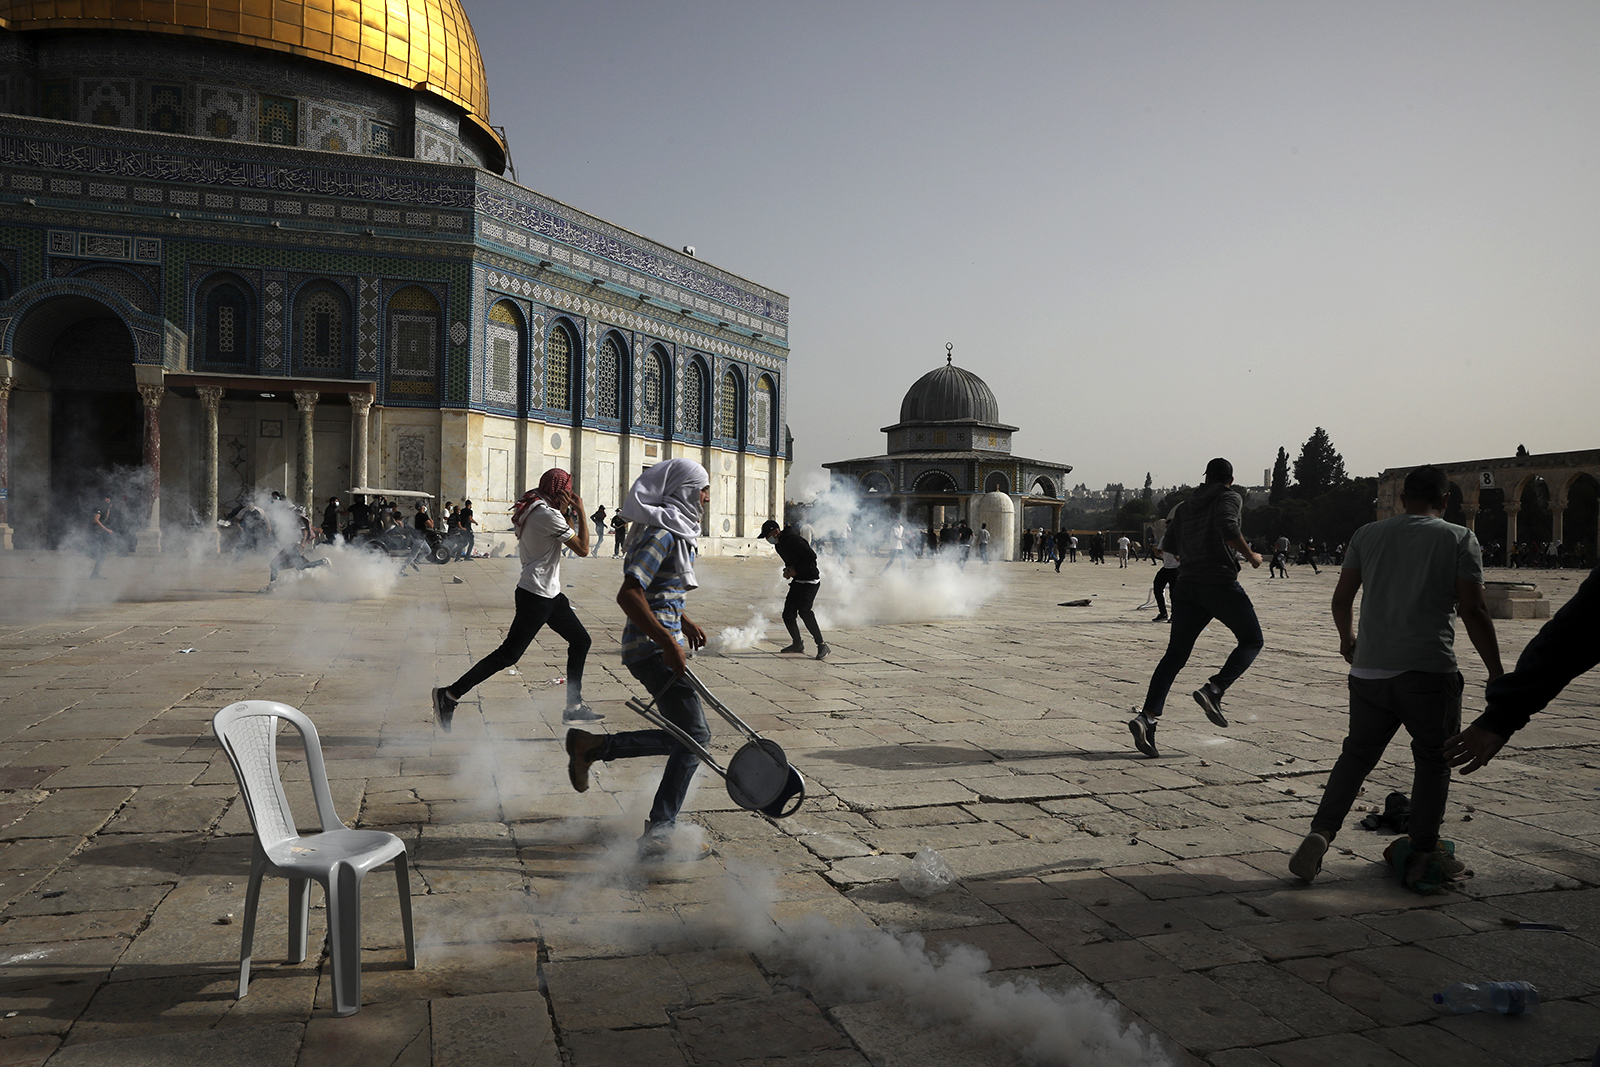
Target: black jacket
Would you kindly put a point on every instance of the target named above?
(1199, 531)
(798, 557)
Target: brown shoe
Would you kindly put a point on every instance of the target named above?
(583, 748)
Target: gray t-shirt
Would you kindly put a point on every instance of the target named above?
(1408, 566)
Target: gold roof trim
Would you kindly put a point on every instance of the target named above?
(425, 45)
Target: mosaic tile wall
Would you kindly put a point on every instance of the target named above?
(214, 91)
(251, 208)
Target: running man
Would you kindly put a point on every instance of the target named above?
(663, 512)
(542, 520)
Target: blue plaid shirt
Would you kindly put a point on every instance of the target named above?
(663, 589)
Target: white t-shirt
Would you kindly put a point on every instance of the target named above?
(1122, 544)
(897, 536)
(544, 531)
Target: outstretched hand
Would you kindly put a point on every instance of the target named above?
(1474, 747)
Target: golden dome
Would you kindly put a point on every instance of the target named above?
(420, 44)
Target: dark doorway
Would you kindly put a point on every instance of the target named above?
(1491, 526)
(96, 428)
(1581, 525)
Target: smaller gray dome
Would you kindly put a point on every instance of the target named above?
(947, 394)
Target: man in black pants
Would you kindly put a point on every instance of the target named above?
(1203, 532)
(542, 519)
(800, 567)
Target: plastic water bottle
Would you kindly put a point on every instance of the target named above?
(1507, 998)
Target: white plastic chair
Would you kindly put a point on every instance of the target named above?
(338, 857)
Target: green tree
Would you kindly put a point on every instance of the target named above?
(1319, 468)
(1133, 515)
(1280, 477)
(1172, 500)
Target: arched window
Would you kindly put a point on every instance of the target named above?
(652, 400)
(321, 319)
(413, 336)
(766, 401)
(558, 370)
(607, 374)
(694, 401)
(728, 427)
(997, 483)
(226, 323)
(503, 334)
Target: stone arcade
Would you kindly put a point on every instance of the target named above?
(243, 252)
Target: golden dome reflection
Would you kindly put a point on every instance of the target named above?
(420, 44)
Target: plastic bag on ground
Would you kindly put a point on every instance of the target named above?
(927, 875)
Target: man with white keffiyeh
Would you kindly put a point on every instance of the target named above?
(663, 511)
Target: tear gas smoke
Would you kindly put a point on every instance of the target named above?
(862, 583)
(352, 574)
(738, 638)
(1015, 1021)
(945, 988)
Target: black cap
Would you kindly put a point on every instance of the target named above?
(769, 527)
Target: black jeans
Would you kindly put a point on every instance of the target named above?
(1194, 605)
(798, 605)
(1428, 705)
(1166, 576)
(533, 613)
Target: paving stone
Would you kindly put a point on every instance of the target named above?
(582, 993)
(1561, 965)
(1200, 949)
(888, 904)
(266, 1046)
(715, 976)
(1112, 961)
(906, 714)
(1335, 1050)
(48, 986)
(1197, 1012)
(29, 1051)
(1432, 1043)
(508, 1028)
(27, 930)
(1005, 945)
(606, 1048)
(1293, 1001)
(1359, 988)
(752, 1030)
(1310, 937)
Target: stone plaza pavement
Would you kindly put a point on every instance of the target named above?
(999, 740)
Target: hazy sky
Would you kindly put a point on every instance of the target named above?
(1159, 231)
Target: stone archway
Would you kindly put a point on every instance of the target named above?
(78, 426)
(1581, 519)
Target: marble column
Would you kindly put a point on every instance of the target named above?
(210, 400)
(360, 405)
(306, 401)
(1558, 515)
(151, 395)
(1512, 507)
(1469, 516)
(5, 463)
